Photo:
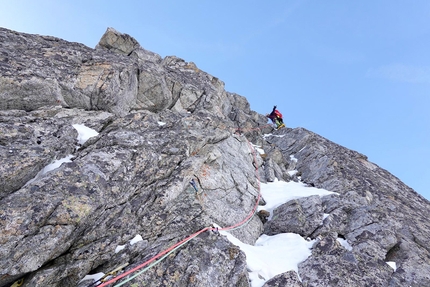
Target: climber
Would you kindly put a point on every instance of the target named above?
(276, 118)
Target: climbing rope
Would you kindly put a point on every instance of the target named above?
(162, 255)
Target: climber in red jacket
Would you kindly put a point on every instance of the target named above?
(276, 118)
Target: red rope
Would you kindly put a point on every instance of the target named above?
(153, 258)
(194, 234)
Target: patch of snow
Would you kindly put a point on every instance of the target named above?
(392, 264)
(55, 164)
(279, 192)
(345, 244)
(272, 135)
(292, 172)
(161, 124)
(84, 133)
(293, 158)
(95, 277)
(119, 248)
(136, 239)
(273, 255)
(325, 215)
(259, 149)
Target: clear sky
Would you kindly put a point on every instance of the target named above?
(355, 72)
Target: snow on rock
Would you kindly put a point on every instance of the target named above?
(84, 133)
(279, 192)
(273, 255)
(136, 239)
(55, 164)
(345, 244)
(258, 149)
(392, 265)
(119, 248)
(292, 172)
(94, 277)
(268, 257)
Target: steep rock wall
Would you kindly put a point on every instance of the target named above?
(161, 123)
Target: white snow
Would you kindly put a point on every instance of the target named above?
(392, 264)
(119, 248)
(292, 172)
(84, 133)
(55, 164)
(344, 243)
(259, 149)
(273, 255)
(94, 277)
(272, 135)
(278, 192)
(161, 124)
(136, 239)
(293, 158)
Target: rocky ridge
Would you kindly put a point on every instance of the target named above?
(161, 123)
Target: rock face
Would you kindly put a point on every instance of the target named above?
(301, 216)
(381, 218)
(161, 123)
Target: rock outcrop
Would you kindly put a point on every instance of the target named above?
(162, 122)
(382, 219)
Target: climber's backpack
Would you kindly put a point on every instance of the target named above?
(278, 114)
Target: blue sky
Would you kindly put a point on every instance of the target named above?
(355, 72)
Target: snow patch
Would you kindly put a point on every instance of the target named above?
(136, 239)
(84, 133)
(273, 255)
(119, 248)
(344, 243)
(55, 164)
(292, 172)
(279, 192)
(392, 264)
(259, 149)
(272, 135)
(95, 277)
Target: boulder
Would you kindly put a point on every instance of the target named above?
(117, 42)
(301, 216)
(289, 279)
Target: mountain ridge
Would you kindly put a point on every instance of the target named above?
(161, 123)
